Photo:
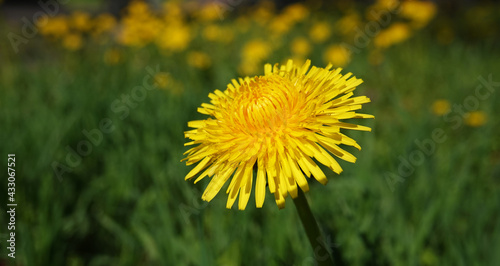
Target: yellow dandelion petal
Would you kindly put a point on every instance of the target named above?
(281, 123)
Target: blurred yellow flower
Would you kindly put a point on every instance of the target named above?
(337, 55)
(80, 21)
(138, 32)
(256, 50)
(174, 37)
(162, 79)
(263, 12)
(139, 26)
(441, 107)
(172, 11)
(112, 56)
(211, 32)
(300, 46)
(209, 12)
(380, 7)
(242, 24)
(138, 9)
(248, 68)
(104, 23)
(280, 25)
(476, 118)
(296, 12)
(396, 33)
(297, 60)
(388, 4)
(72, 41)
(348, 23)
(199, 59)
(216, 33)
(419, 12)
(278, 123)
(320, 32)
(55, 27)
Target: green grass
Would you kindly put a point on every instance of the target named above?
(127, 202)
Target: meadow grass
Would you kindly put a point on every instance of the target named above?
(127, 203)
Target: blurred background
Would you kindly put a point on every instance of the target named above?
(95, 97)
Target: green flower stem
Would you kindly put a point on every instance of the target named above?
(316, 239)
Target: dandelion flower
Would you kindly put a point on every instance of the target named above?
(54, 27)
(338, 55)
(441, 107)
(320, 32)
(475, 119)
(419, 12)
(255, 50)
(162, 80)
(104, 23)
(81, 21)
(281, 123)
(199, 59)
(296, 12)
(175, 37)
(300, 46)
(396, 33)
(72, 41)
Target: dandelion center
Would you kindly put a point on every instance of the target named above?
(262, 107)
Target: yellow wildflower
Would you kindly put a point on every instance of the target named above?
(55, 27)
(174, 37)
(300, 46)
(396, 33)
(72, 41)
(256, 50)
(80, 21)
(320, 32)
(280, 25)
(419, 12)
(476, 118)
(210, 12)
(104, 23)
(199, 59)
(161, 80)
(441, 107)
(277, 123)
(296, 12)
(348, 23)
(337, 55)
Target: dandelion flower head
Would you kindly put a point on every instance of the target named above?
(282, 124)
